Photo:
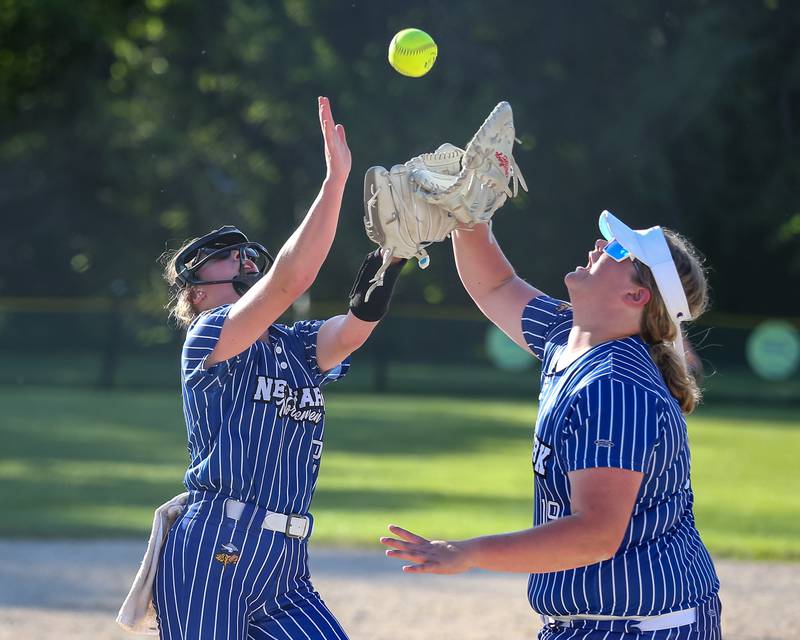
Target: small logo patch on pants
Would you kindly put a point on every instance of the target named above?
(228, 555)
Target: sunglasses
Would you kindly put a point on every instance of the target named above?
(205, 254)
(618, 253)
(224, 253)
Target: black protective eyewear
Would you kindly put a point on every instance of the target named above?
(218, 245)
(223, 253)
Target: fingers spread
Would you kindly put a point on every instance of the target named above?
(422, 567)
(405, 534)
(408, 554)
(397, 544)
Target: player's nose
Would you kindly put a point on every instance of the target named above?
(249, 265)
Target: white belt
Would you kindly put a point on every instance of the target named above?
(292, 526)
(641, 623)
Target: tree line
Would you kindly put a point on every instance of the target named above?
(130, 125)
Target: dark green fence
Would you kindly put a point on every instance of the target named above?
(106, 343)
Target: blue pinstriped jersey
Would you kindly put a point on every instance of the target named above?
(255, 422)
(611, 408)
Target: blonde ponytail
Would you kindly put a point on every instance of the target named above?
(179, 304)
(657, 328)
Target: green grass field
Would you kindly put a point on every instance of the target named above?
(78, 463)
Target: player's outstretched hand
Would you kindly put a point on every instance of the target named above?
(337, 153)
(427, 556)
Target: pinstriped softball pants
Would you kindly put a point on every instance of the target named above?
(225, 579)
(706, 627)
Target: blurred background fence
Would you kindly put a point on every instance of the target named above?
(114, 343)
(128, 127)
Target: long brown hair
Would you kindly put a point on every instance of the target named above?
(179, 305)
(659, 331)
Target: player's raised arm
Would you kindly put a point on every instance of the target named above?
(425, 199)
(491, 281)
(299, 260)
(247, 381)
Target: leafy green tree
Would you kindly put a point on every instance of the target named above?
(130, 126)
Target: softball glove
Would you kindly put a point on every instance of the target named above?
(487, 168)
(422, 201)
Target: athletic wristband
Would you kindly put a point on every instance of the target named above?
(376, 307)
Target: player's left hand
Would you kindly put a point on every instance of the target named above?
(428, 556)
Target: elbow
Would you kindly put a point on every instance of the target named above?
(596, 552)
(606, 544)
(345, 348)
(605, 553)
(291, 276)
(301, 280)
(355, 332)
(502, 282)
(296, 284)
(599, 540)
(481, 291)
(354, 339)
(342, 337)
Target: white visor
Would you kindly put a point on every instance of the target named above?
(650, 247)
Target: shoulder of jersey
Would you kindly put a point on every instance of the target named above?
(280, 330)
(206, 313)
(627, 361)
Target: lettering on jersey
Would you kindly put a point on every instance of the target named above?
(302, 405)
(541, 452)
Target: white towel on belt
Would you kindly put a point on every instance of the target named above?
(137, 613)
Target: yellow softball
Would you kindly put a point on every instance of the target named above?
(412, 52)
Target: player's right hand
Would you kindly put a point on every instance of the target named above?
(428, 556)
(337, 153)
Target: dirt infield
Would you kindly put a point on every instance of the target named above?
(72, 590)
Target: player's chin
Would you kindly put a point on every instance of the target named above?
(578, 275)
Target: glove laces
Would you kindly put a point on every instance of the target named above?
(386, 253)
